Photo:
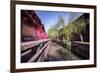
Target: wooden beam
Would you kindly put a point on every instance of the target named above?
(27, 45)
(38, 53)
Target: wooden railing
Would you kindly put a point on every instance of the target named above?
(36, 48)
(81, 49)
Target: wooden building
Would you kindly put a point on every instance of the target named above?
(31, 26)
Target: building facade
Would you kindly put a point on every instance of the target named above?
(31, 27)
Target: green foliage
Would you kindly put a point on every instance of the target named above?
(74, 26)
(52, 32)
(60, 23)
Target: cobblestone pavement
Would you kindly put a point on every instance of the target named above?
(59, 53)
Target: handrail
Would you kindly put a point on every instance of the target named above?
(38, 53)
(79, 42)
(26, 52)
(44, 54)
(26, 45)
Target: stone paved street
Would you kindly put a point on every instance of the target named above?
(59, 53)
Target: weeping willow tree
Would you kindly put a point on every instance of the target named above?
(79, 26)
(67, 31)
(75, 26)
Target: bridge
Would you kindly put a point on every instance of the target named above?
(45, 50)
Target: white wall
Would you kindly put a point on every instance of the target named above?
(5, 36)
